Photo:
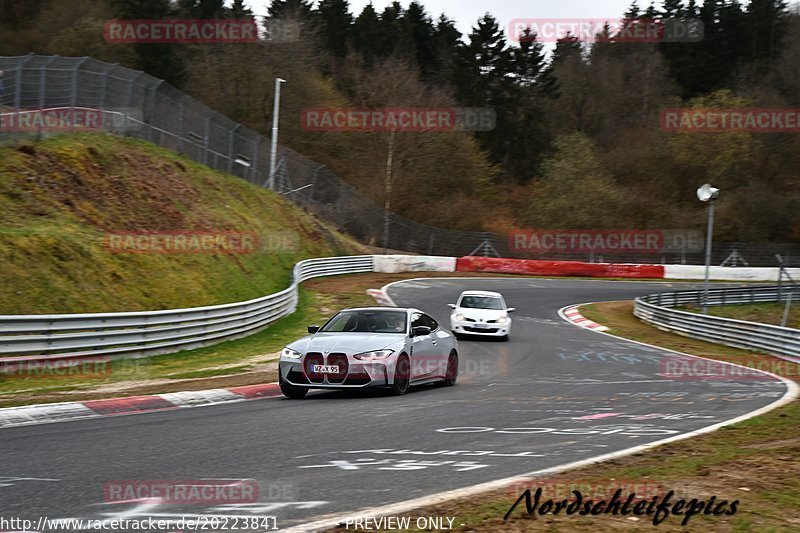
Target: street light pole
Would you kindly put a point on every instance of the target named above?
(387, 201)
(710, 231)
(707, 193)
(274, 147)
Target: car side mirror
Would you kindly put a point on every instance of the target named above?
(419, 331)
(313, 329)
(511, 309)
(451, 306)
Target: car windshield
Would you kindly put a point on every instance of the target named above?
(481, 302)
(367, 322)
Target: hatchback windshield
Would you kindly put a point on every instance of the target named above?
(481, 302)
(367, 322)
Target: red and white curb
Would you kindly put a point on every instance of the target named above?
(59, 412)
(572, 314)
(382, 297)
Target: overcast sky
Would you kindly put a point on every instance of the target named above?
(467, 12)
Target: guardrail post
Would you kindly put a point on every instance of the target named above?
(151, 104)
(18, 96)
(73, 99)
(179, 143)
(231, 141)
(42, 84)
(131, 83)
(206, 128)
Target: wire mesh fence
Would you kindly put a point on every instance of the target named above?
(132, 103)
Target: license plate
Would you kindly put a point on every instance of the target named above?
(325, 369)
(482, 326)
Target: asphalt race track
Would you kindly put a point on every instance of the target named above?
(552, 395)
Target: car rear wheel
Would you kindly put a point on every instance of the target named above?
(451, 374)
(402, 376)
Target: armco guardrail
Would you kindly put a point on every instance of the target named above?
(657, 309)
(137, 334)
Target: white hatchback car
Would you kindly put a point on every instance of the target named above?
(481, 313)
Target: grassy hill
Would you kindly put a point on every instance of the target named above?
(62, 197)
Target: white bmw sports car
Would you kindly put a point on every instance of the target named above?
(370, 347)
(483, 313)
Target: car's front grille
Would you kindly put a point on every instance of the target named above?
(340, 360)
(313, 358)
(480, 330)
(469, 319)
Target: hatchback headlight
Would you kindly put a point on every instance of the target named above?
(375, 354)
(459, 316)
(288, 353)
(502, 320)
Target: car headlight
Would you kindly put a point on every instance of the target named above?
(288, 353)
(502, 320)
(375, 354)
(459, 316)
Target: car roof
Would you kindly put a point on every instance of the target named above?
(379, 308)
(482, 293)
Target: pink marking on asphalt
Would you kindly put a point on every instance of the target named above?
(597, 416)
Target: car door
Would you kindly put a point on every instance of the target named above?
(440, 341)
(424, 362)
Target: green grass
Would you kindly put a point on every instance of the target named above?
(765, 313)
(59, 199)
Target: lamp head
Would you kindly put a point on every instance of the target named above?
(707, 192)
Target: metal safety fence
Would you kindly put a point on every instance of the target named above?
(660, 310)
(135, 104)
(145, 333)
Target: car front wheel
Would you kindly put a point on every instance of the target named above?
(290, 391)
(451, 374)
(402, 376)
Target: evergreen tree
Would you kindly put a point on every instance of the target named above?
(158, 60)
(290, 9)
(202, 9)
(447, 39)
(416, 42)
(767, 22)
(367, 37)
(239, 11)
(333, 20)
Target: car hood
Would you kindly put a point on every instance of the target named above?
(349, 343)
(481, 314)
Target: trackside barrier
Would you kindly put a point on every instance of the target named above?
(727, 273)
(146, 333)
(658, 309)
(414, 263)
(557, 268)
